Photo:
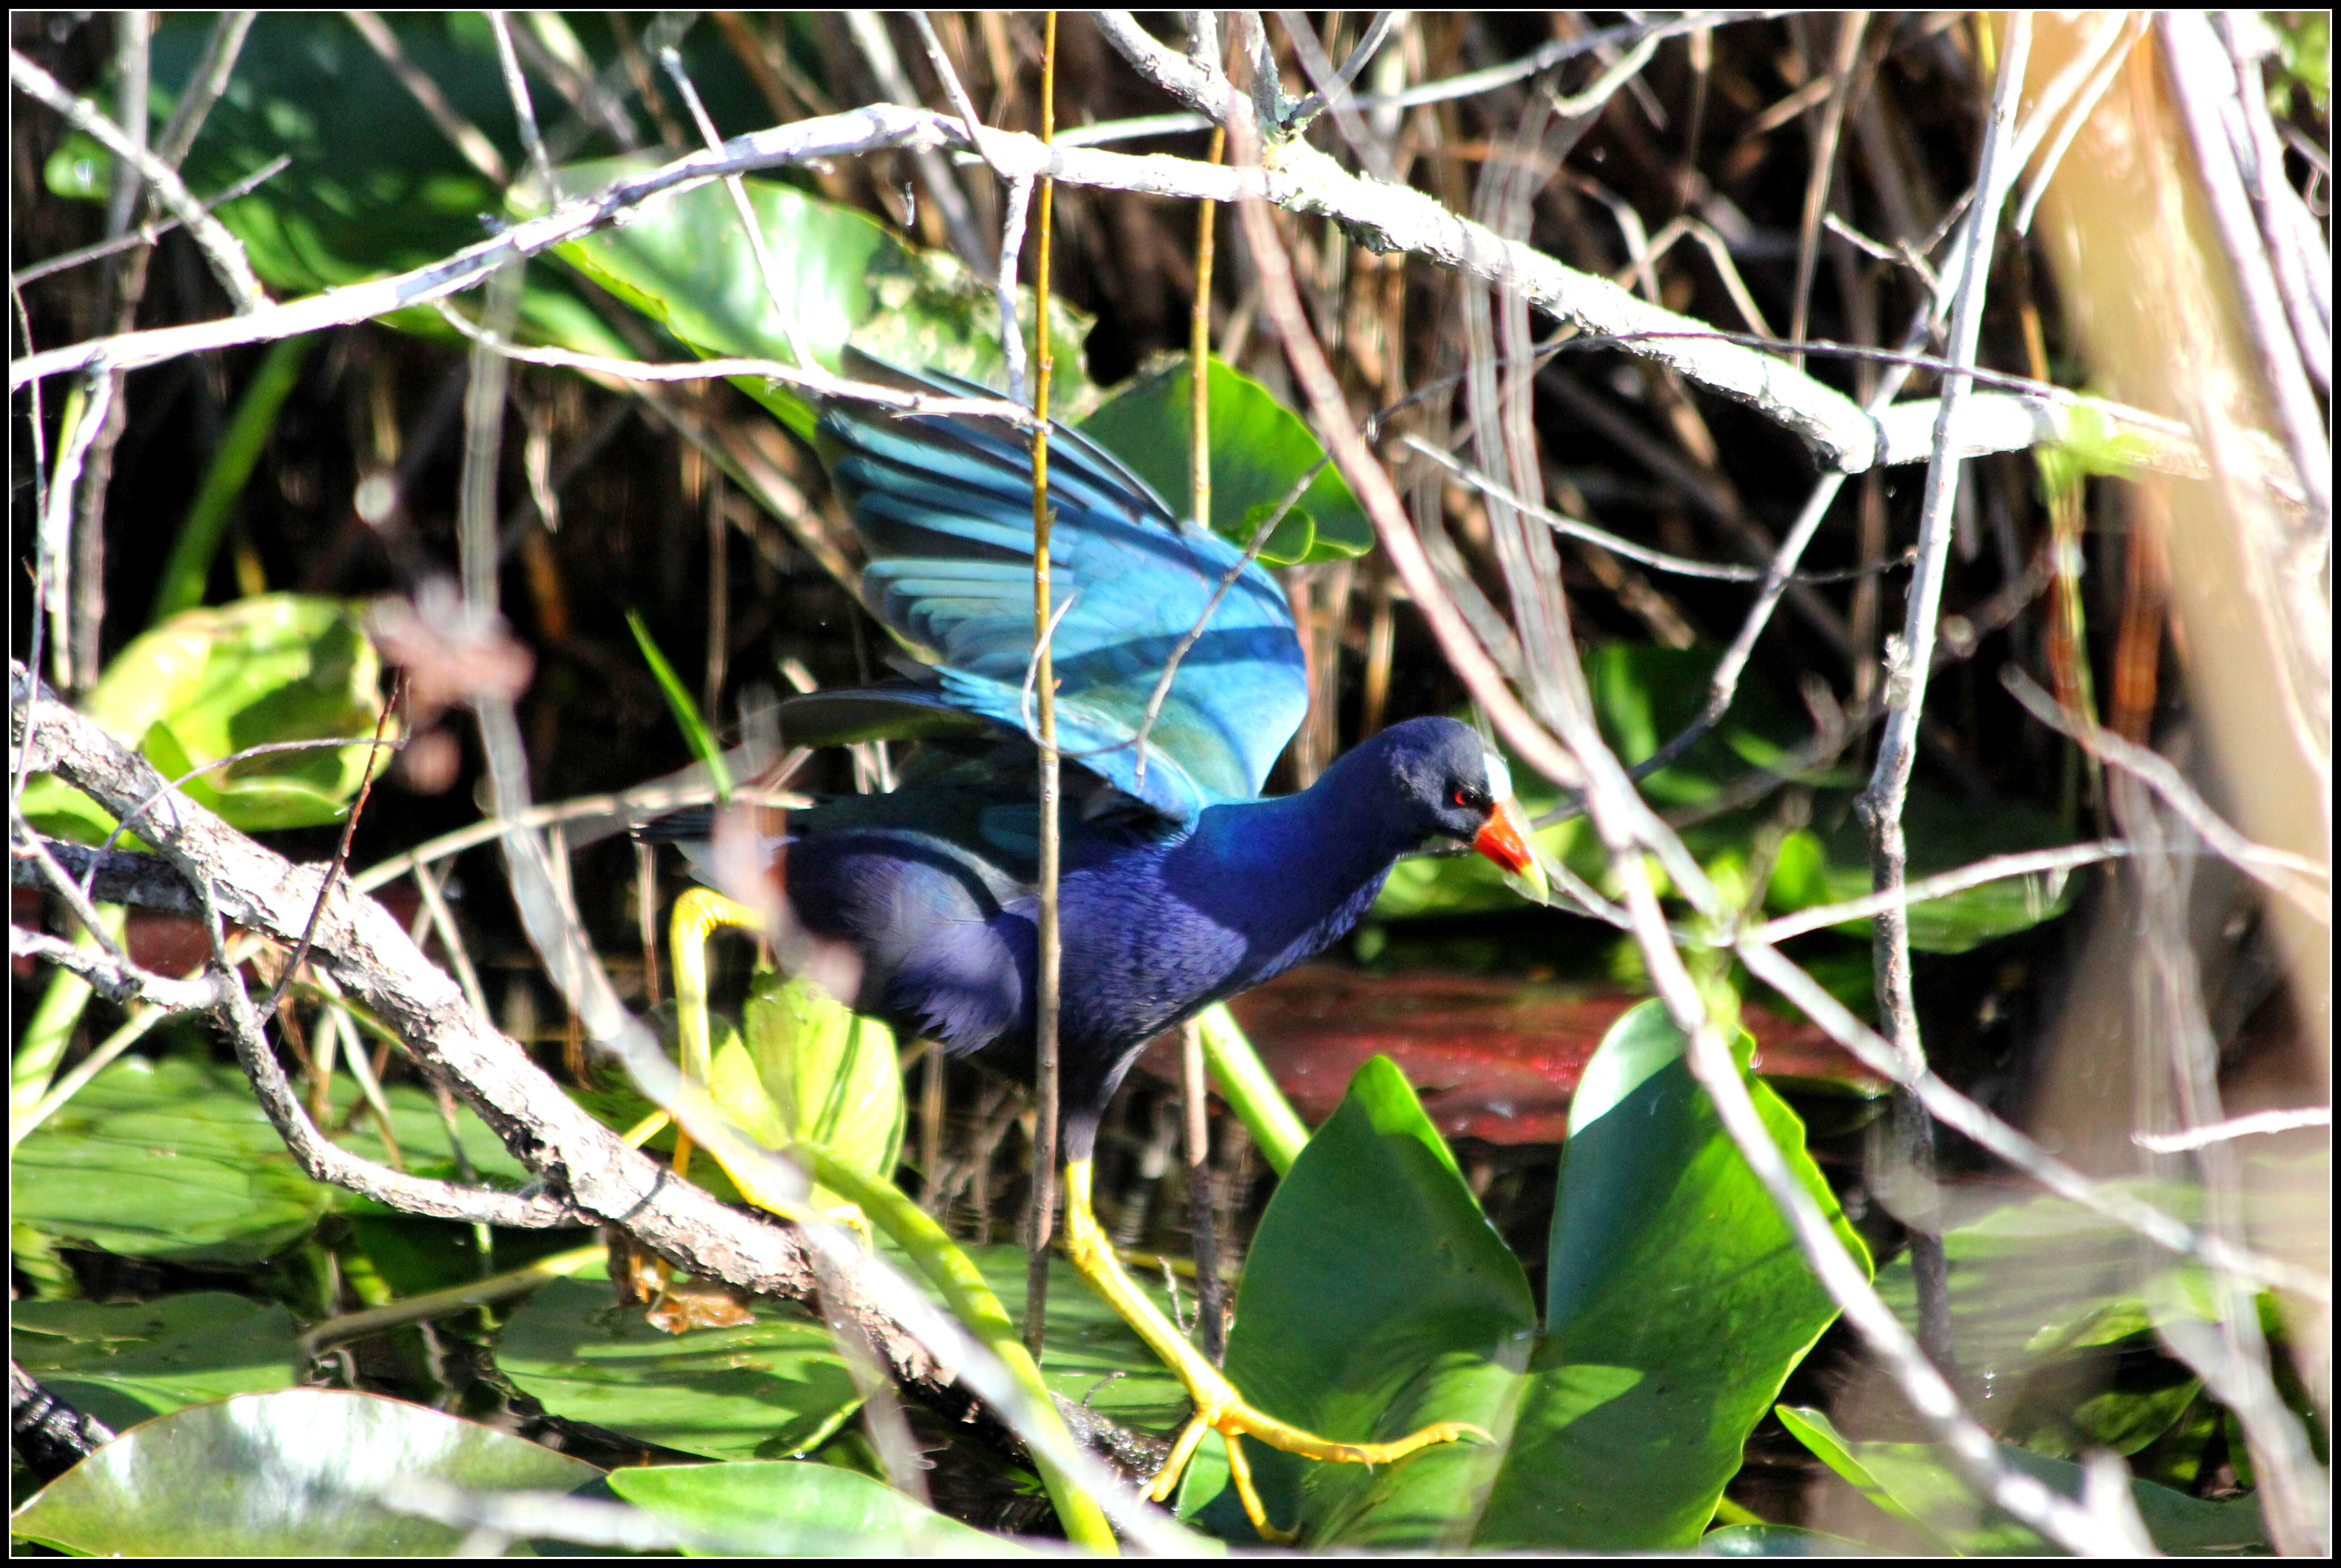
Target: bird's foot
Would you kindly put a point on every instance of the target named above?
(1220, 1408)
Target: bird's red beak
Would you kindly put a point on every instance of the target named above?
(1505, 840)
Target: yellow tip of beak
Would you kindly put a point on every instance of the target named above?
(1505, 840)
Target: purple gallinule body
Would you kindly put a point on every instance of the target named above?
(1180, 887)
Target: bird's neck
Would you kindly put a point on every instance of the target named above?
(1305, 867)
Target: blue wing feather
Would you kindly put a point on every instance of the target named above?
(944, 507)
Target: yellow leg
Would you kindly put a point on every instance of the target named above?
(1217, 1406)
(698, 914)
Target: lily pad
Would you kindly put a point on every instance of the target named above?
(126, 1362)
(174, 1160)
(770, 1389)
(298, 1472)
(800, 1509)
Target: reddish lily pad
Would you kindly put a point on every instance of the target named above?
(1494, 1059)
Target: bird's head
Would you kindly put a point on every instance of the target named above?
(1453, 787)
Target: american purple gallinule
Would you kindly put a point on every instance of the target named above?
(1180, 887)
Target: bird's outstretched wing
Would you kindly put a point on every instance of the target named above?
(944, 507)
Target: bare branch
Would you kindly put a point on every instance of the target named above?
(148, 233)
(115, 978)
(221, 248)
(2294, 877)
(2236, 1128)
(860, 131)
(1996, 868)
(1880, 804)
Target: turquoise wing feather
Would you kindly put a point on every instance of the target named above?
(944, 506)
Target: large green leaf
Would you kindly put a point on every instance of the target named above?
(173, 1159)
(1376, 1299)
(209, 683)
(769, 1389)
(1259, 450)
(1672, 1271)
(1915, 1482)
(373, 186)
(126, 1362)
(291, 1473)
(800, 1509)
(841, 277)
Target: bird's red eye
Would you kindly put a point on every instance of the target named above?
(1459, 800)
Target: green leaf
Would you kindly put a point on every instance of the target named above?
(686, 712)
(1816, 1432)
(291, 1473)
(126, 1362)
(1916, 1480)
(769, 1389)
(1377, 1299)
(1259, 450)
(684, 260)
(800, 1509)
(833, 1076)
(1656, 1205)
(210, 683)
(174, 1160)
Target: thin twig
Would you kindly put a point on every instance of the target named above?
(516, 87)
(1560, 522)
(1880, 804)
(1040, 1216)
(2105, 52)
(1331, 89)
(1996, 869)
(2259, 1122)
(784, 310)
(810, 376)
(868, 31)
(148, 233)
(341, 859)
(1840, 79)
(1259, 537)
